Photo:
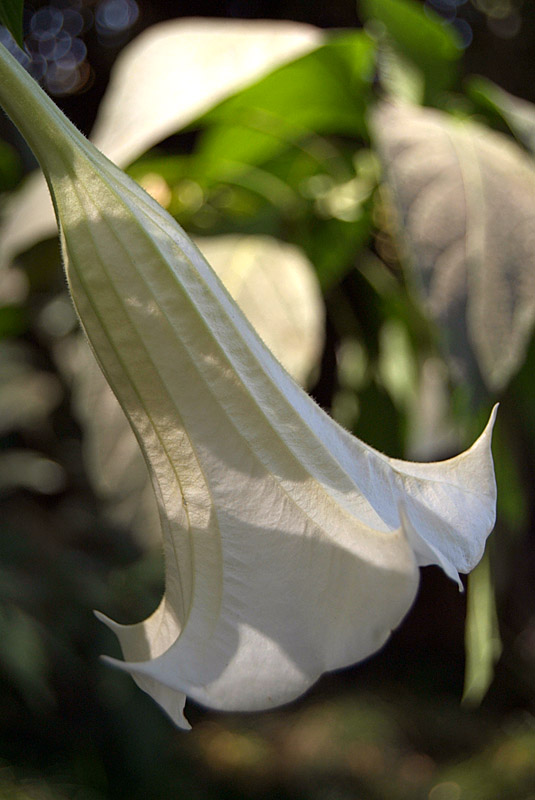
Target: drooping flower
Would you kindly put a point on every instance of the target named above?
(291, 547)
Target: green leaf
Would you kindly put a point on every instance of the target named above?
(465, 198)
(399, 76)
(346, 240)
(175, 72)
(13, 321)
(421, 37)
(11, 17)
(23, 656)
(10, 167)
(324, 92)
(169, 76)
(482, 637)
(518, 114)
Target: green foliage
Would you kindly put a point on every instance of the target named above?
(11, 17)
(518, 114)
(482, 633)
(324, 92)
(10, 167)
(420, 37)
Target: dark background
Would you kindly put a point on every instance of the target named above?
(507, 60)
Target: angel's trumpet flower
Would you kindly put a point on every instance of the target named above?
(291, 547)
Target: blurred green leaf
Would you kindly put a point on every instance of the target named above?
(465, 197)
(397, 368)
(518, 114)
(10, 167)
(13, 321)
(23, 655)
(400, 76)
(345, 240)
(170, 167)
(11, 17)
(482, 636)
(175, 72)
(375, 403)
(317, 195)
(420, 36)
(510, 462)
(326, 91)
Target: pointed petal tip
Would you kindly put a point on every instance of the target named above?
(483, 444)
(492, 419)
(485, 436)
(173, 711)
(134, 669)
(425, 548)
(116, 663)
(109, 623)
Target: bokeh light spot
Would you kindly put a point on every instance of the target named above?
(115, 16)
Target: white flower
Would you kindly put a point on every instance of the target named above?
(291, 547)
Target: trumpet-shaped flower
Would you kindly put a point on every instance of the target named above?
(291, 548)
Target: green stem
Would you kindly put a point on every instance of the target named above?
(46, 129)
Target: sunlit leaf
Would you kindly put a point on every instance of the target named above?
(176, 71)
(466, 203)
(162, 81)
(325, 91)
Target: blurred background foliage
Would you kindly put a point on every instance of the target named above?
(414, 228)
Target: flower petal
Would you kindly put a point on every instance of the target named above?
(290, 322)
(285, 547)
